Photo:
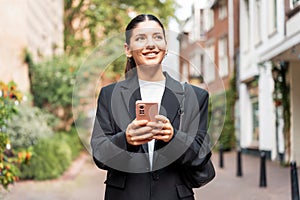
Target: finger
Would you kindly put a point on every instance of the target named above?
(155, 125)
(165, 138)
(140, 142)
(141, 131)
(162, 119)
(138, 123)
(161, 132)
(147, 136)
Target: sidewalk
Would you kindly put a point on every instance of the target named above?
(85, 181)
(228, 186)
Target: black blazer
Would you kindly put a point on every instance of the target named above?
(128, 173)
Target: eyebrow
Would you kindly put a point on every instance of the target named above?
(155, 33)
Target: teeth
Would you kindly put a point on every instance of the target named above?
(150, 54)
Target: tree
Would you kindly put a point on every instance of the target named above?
(88, 22)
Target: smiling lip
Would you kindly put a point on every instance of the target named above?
(150, 54)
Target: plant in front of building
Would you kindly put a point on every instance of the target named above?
(282, 98)
(227, 139)
(52, 83)
(9, 162)
(52, 156)
(29, 125)
(222, 126)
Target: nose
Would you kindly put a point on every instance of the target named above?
(150, 43)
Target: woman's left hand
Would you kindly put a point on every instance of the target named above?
(162, 128)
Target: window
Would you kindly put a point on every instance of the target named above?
(185, 71)
(272, 25)
(202, 24)
(209, 69)
(209, 19)
(195, 69)
(222, 10)
(258, 19)
(255, 120)
(253, 94)
(253, 91)
(245, 26)
(223, 58)
(295, 3)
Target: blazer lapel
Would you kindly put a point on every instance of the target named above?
(172, 98)
(170, 107)
(130, 91)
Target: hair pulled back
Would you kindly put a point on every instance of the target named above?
(128, 33)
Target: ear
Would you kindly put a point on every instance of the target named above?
(127, 50)
(166, 52)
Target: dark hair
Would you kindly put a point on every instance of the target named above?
(133, 24)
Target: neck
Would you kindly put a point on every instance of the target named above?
(150, 73)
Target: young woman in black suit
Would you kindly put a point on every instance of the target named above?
(147, 160)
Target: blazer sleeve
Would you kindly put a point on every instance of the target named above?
(106, 140)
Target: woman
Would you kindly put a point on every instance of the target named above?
(148, 159)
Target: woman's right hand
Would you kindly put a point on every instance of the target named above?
(137, 133)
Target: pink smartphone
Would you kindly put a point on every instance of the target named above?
(146, 110)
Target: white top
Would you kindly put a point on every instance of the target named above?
(152, 92)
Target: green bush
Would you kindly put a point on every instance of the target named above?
(49, 160)
(28, 126)
(52, 84)
(52, 156)
(227, 137)
(73, 140)
(52, 81)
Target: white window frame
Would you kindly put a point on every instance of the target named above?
(209, 19)
(272, 16)
(245, 26)
(222, 11)
(294, 3)
(258, 19)
(195, 65)
(209, 68)
(223, 57)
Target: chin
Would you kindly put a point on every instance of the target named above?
(152, 64)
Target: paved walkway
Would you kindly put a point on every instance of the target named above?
(85, 181)
(82, 181)
(227, 186)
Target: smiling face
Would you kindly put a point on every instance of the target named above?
(147, 44)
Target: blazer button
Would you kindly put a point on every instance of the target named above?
(155, 176)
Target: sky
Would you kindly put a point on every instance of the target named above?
(171, 62)
(182, 13)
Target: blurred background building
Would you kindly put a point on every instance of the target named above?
(258, 44)
(269, 62)
(32, 26)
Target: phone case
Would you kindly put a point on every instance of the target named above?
(146, 110)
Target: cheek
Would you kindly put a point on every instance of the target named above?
(161, 45)
(136, 54)
(136, 48)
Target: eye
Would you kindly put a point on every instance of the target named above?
(158, 37)
(140, 38)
